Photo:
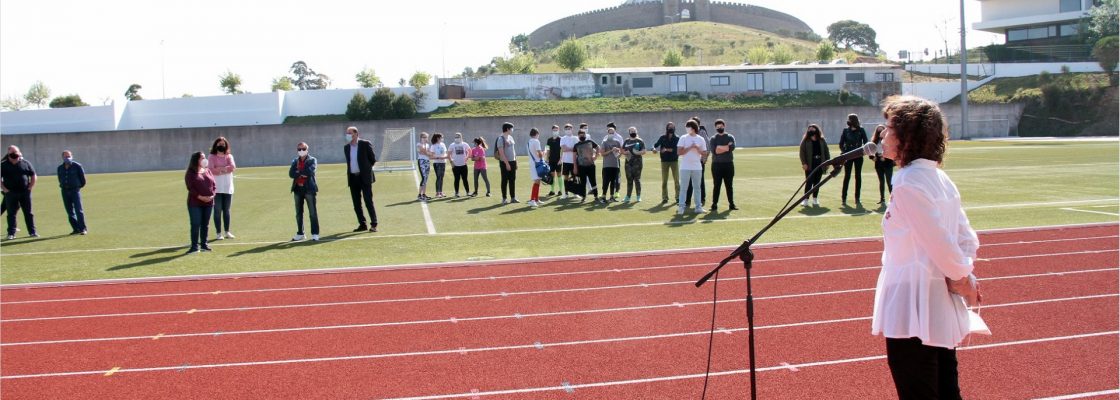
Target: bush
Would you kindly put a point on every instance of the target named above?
(403, 107)
(356, 110)
(1105, 52)
(67, 101)
(380, 104)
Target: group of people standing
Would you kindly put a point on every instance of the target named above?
(814, 152)
(18, 178)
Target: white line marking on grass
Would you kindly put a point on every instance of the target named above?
(535, 346)
(1090, 211)
(1081, 395)
(424, 206)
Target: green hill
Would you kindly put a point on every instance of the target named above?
(701, 43)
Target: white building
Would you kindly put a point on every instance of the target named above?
(1033, 22)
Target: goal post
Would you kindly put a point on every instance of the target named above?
(397, 150)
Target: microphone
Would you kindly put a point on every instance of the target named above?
(868, 149)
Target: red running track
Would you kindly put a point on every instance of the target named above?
(617, 327)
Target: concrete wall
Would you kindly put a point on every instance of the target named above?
(1002, 70)
(70, 119)
(530, 86)
(267, 145)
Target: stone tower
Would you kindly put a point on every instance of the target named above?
(703, 11)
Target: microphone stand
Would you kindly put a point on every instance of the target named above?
(744, 253)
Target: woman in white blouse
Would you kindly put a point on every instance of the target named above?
(928, 252)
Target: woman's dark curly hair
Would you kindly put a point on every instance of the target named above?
(919, 126)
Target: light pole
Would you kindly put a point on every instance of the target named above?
(964, 79)
(163, 68)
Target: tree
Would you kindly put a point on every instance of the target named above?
(368, 78)
(68, 101)
(403, 107)
(380, 104)
(825, 51)
(13, 103)
(571, 55)
(282, 83)
(356, 109)
(519, 44)
(418, 81)
(307, 79)
(38, 94)
(851, 33)
(758, 55)
(230, 82)
(401, 82)
(520, 64)
(1105, 52)
(781, 54)
(133, 92)
(672, 58)
(1103, 21)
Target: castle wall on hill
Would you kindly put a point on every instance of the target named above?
(757, 18)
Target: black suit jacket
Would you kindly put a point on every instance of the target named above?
(366, 159)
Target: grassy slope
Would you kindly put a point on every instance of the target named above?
(721, 44)
(1006, 90)
(144, 212)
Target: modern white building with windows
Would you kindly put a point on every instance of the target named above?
(1033, 22)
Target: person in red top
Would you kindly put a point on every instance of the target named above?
(200, 200)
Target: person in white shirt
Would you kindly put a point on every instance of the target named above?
(692, 148)
(925, 285)
(423, 165)
(439, 161)
(536, 154)
(459, 152)
(567, 155)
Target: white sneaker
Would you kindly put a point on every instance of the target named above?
(680, 210)
(230, 235)
(533, 204)
(699, 210)
(816, 203)
(219, 237)
(297, 238)
(805, 203)
(315, 238)
(563, 196)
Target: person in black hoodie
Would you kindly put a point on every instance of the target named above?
(666, 145)
(853, 137)
(884, 167)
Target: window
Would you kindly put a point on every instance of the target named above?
(854, 77)
(1038, 33)
(603, 80)
(1016, 34)
(789, 81)
(1069, 5)
(755, 82)
(721, 81)
(678, 83)
(1068, 30)
(884, 77)
(618, 80)
(824, 78)
(642, 82)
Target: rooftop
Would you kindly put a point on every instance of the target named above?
(741, 68)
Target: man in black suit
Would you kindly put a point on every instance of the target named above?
(360, 178)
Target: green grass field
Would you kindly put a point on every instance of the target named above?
(138, 225)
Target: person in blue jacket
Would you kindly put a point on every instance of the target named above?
(304, 189)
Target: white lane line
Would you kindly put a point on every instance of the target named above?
(571, 228)
(553, 274)
(534, 346)
(424, 206)
(739, 371)
(1081, 395)
(489, 295)
(1090, 211)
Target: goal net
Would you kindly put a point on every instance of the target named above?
(396, 150)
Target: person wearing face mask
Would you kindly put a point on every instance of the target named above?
(702, 131)
(814, 152)
(586, 152)
(360, 159)
(568, 158)
(423, 165)
(723, 164)
(634, 148)
(222, 166)
(304, 189)
(439, 162)
(536, 154)
(554, 150)
(666, 146)
(692, 148)
(17, 179)
(200, 200)
(611, 149)
(71, 179)
(459, 151)
(506, 153)
(853, 137)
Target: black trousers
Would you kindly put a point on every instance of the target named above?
(460, 172)
(922, 372)
(15, 202)
(723, 173)
(509, 179)
(610, 181)
(359, 192)
(884, 170)
(813, 178)
(703, 188)
(439, 169)
(587, 177)
(856, 164)
(567, 172)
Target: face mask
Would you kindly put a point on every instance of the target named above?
(67, 159)
(220, 149)
(671, 131)
(13, 156)
(582, 138)
(349, 138)
(203, 163)
(719, 130)
(555, 133)
(633, 134)
(458, 140)
(302, 153)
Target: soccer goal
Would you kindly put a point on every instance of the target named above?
(397, 150)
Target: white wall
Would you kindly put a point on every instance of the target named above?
(71, 119)
(194, 112)
(1004, 70)
(535, 86)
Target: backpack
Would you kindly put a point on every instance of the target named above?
(496, 156)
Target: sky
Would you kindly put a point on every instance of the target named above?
(173, 47)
